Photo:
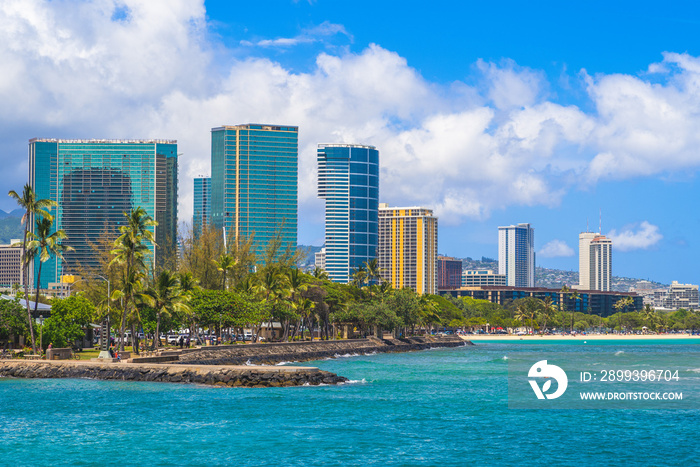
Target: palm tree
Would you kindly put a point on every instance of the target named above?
(359, 277)
(271, 287)
(130, 250)
(622, 304)
(546, 311)
(188, 285)
(575, 297)
(44, 244)
(374, 272)
(225, 264)
(32, 207)
(648, 314)
(165, 297)
(526, 310)
(320, 273)
(297, 284)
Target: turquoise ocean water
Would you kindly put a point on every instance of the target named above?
(446, 406)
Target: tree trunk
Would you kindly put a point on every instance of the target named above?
(285, 334)
(123, 329)
(134, 340)
(26, 282)
(156, 338)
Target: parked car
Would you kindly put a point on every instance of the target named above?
(173, 339)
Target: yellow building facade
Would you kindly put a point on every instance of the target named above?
(407, 252)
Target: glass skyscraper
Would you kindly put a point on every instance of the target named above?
(94, 183)
(202, 204)
(348, 179)
(516, 255)
(254, 183)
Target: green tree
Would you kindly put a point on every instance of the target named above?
(406, 304)
(130, 250)
(547, 311)
(12, 319)
(32, 207)
(44, 244)
(166, 298)
(224, 264)
(68, 321)
(374, 272)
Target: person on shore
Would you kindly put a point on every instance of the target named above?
(187, 342)
(50, 346)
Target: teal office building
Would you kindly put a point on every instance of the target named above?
(94, 182)
(254, 183)
(348, 179)
(201, 214)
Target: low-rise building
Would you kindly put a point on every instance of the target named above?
(11, 264)
(482, 278)
(594, 302)
(681, 296)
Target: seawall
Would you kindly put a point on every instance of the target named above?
(272, 353)
(231, 376)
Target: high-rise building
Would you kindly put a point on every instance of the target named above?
(407, 251)
(94, 182)
(594, 261)
(516, 254)
(254, 183)
(449, 272)
(201, 215)
(348, 179)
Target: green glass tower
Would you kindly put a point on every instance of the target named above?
(254, 183)
(94, 182)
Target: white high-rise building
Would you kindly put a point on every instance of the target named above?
(516, 255)
(594, 261)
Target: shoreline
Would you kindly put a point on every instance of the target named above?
(581, 338)
(253, 365)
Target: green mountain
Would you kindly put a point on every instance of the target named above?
(10, 226)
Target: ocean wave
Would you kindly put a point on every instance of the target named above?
(347, 355)
(694, 370)
(619, 352)
(356, 381)
(285, 363)
(374, 352)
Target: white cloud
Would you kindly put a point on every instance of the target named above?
(307, 36)
(640, 236)
(555, 249)
(147, 68)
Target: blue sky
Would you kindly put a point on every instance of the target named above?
(492, 113)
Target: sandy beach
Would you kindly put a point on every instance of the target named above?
(579, 337)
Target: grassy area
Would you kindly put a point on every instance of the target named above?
(88, 354)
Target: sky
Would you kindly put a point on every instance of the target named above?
(567, 115)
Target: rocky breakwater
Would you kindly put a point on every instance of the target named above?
(273, 353)
(231, 376)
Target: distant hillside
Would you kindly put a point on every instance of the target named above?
(10, 226)
(16, 213)
(308, 256)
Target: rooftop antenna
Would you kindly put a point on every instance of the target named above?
(587, 229)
